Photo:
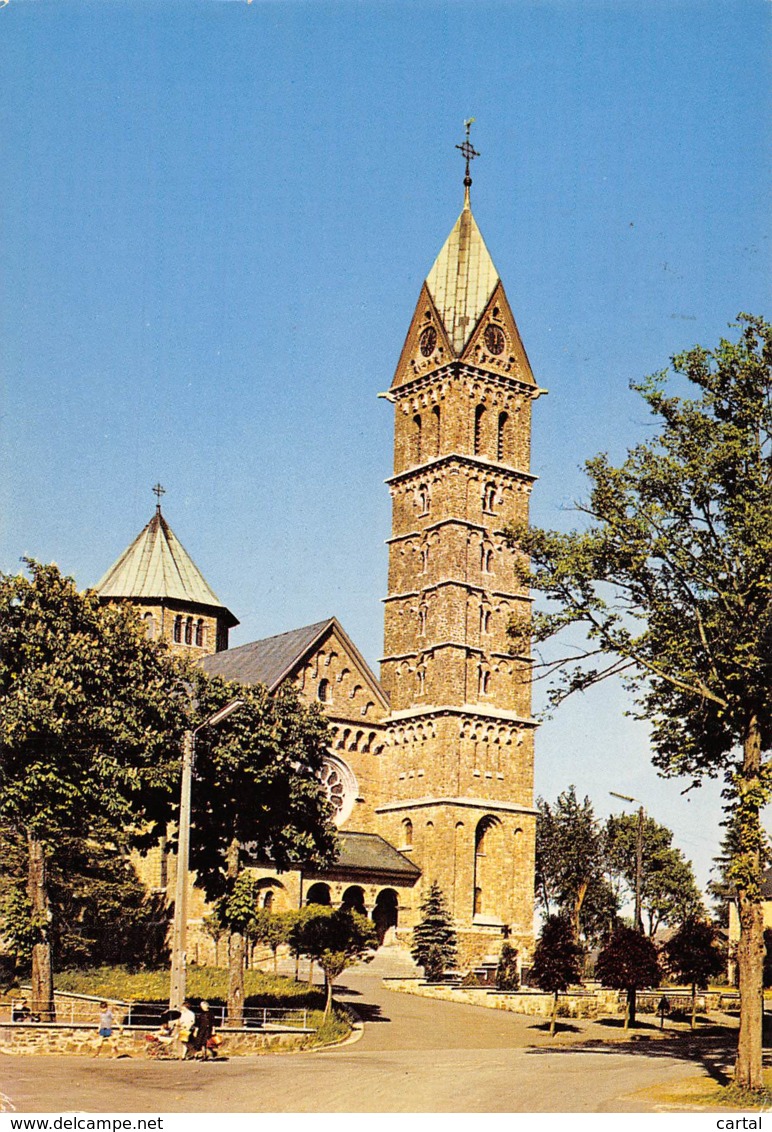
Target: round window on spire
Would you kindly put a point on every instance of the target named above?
(495, 341)
(428, 341)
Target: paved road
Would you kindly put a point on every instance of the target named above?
(416, 1055)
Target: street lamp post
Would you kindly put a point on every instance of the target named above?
(180, 927)
(638, 859)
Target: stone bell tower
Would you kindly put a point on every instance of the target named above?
(457, 775)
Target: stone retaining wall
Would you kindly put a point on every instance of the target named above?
(40, 1038)
(587, 1004)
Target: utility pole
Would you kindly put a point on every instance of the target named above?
(180, 929)
(178, 981)
(638, 873)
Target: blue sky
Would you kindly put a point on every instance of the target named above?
(216, 218)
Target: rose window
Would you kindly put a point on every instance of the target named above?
(340, 786)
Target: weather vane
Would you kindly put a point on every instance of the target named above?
(468, 152)
(158, 491)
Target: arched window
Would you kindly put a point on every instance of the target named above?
(423, 500)
(268, 900)
(422, 620)
(502, 441)
(424, 559)
(178, 629)
(200, 632)
(319, 894)
(484, 846)
(421, 680)
(323, 691)
(149, 620)
(483, 681)
(485, 619)
(188, 630)
(417, 438)
(436, 430)
(479, 414)
(489, 496)
(407, 834)
(487, 559)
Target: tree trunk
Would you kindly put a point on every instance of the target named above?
(42, 993)
(236, 949)
(751, 946)
(581, 892)
(750, 949)
(554, 1019)
(694, 1003)
(328, 988)
(630, 1008)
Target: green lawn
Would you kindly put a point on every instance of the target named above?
(210, 983)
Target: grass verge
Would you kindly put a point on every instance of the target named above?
(695, 1093)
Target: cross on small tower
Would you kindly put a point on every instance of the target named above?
(468, 152)
(158, 491)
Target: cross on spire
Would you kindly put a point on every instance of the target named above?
(158, 491)
(468, 152)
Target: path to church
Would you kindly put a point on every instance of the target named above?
(416, 1055)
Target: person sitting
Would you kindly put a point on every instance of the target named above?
(20, 1012)
(159, 1042)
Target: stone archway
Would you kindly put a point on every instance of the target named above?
(319, 893)
(354, 899)
(386, 915)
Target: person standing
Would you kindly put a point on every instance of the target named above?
(106, 1026)
(203, 1032)
(185, 1025)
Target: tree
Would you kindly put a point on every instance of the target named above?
(692, 954)
(257, 799)
(335, 939)
(215, 929)
(557, 961)
(92, 714)
(669, 892)
(101, 912)
(570, 860)
(507, 974)
(670, 580)
(273, 929)
(628, 962)
(434, 937)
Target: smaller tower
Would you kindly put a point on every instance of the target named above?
(158, 576)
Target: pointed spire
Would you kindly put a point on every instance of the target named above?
(155, 567)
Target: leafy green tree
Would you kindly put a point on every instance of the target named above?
(273, 929)
(92, 715)
(557, 961)
(692, 954)
(670, 580)
(570, 859)
(256, 799)
(334, 939)
(628, 962)
(434, 936)
(669, 892)
(215, 929)
(507, 974)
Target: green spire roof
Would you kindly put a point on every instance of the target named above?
(462, 280)
(157, 566)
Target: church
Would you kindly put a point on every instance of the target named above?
(430, 766)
